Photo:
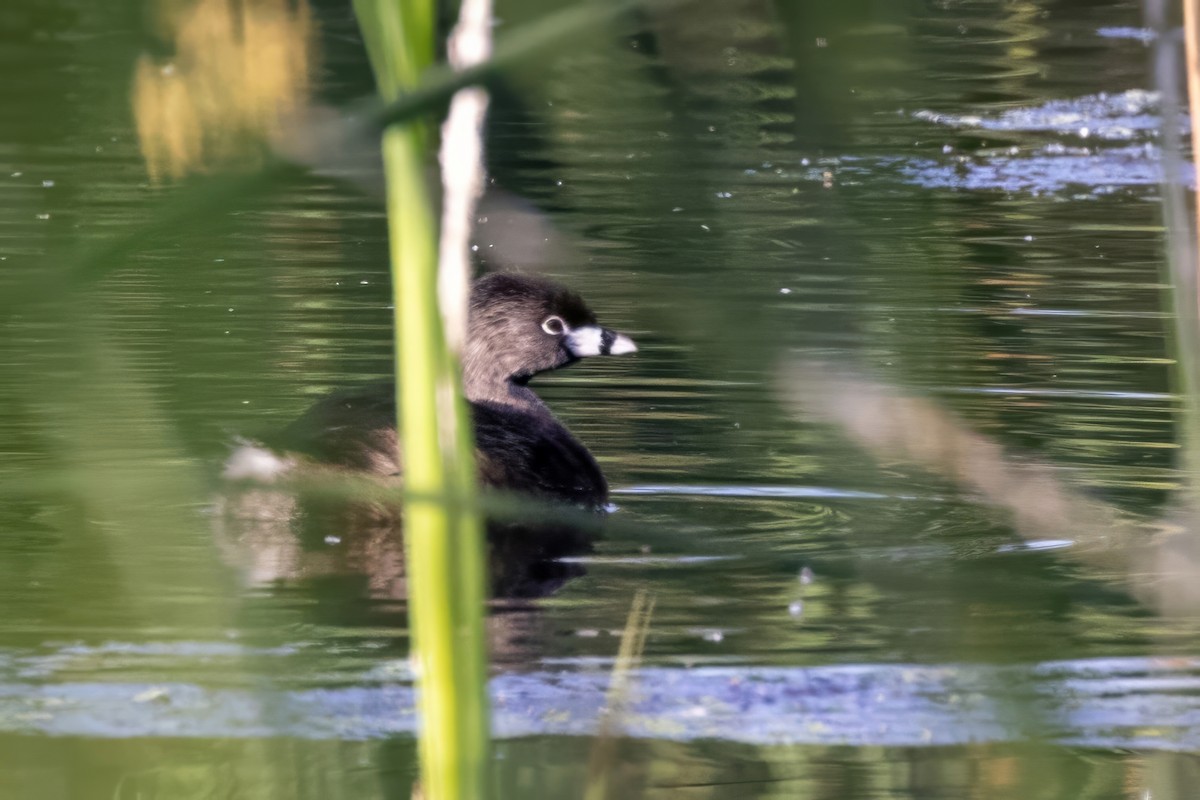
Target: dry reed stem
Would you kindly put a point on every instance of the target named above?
(461, 157)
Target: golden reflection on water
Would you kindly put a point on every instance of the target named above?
(240, 69)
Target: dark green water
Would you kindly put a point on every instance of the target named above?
(960, 198)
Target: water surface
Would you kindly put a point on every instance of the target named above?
(960, 198)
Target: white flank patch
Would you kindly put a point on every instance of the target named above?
(253, 463)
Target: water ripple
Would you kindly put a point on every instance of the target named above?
(791, 492)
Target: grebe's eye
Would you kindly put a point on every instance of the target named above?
(554, 326)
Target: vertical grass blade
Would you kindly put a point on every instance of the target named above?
(443, 541)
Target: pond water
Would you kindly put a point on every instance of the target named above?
(960, 198)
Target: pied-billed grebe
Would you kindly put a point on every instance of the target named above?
(518, 326)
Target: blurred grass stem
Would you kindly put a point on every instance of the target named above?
(629, 655)
(1182, 260)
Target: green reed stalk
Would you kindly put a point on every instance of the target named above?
(443, 541)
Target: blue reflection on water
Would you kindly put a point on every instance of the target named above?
(1132, 702)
